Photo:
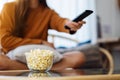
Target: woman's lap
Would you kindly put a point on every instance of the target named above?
(19, 52)
(90, 52)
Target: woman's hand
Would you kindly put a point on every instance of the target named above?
(48, 44)
(74, 26)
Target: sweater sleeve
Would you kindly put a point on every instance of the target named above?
(57, 22)
(8, 41)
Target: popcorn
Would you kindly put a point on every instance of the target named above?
(39, 60)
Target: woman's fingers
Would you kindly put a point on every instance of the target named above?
(80, 24)
(48, 44)
(74, 26)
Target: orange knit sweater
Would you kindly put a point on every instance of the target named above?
(38, 22)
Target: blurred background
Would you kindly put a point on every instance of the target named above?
(103, 27)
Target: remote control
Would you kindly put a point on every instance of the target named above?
(80, 18)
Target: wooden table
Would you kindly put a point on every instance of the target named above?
(97, 77)
(70, 75)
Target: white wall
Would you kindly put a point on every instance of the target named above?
(110, 17)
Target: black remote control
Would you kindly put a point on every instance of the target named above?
(80, 18)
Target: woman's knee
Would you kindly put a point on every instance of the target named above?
(3, 62)
(75, 58)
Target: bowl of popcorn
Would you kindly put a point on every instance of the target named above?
(39, 60)
(39, 74)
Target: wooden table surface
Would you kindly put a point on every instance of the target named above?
(96, 77)
(81, 77)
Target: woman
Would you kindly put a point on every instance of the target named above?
(26, 22)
